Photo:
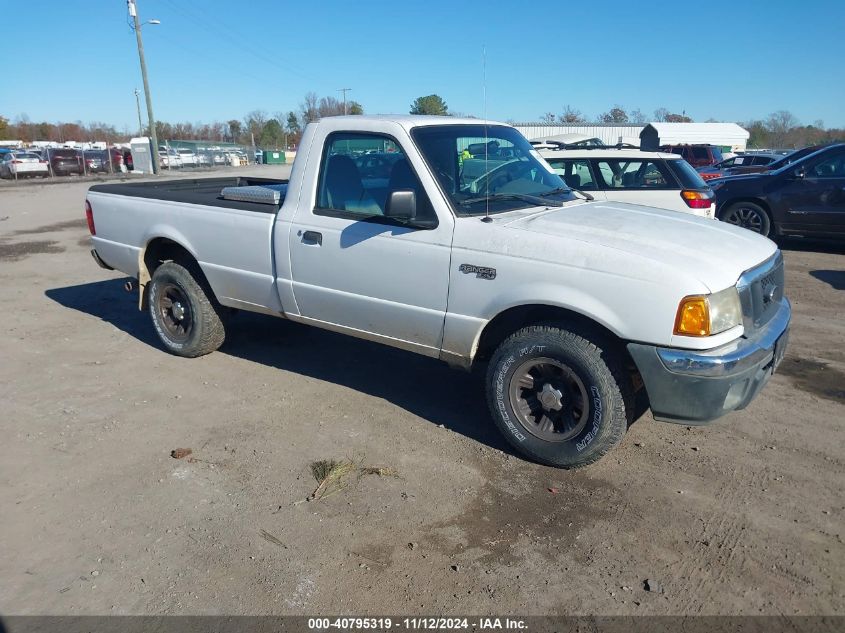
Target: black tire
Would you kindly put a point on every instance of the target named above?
(584, 378)
(748, 215)
(188, 319)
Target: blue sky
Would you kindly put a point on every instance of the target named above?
(217, 60)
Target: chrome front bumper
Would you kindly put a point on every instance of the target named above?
(696, 387)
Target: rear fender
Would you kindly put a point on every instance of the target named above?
(156, 232)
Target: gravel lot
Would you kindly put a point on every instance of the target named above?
(741, 517)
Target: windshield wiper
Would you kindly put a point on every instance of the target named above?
(536, 200)
(588, 196)
(556, 191)
(567, 190)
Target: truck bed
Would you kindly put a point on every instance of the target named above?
(203, 191)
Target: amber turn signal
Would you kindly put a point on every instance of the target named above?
(693, 318)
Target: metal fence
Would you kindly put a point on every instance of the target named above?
(180, 154)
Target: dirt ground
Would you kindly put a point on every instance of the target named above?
(741, 517)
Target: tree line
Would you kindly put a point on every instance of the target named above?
(282, 129)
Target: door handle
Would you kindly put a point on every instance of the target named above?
(313, 238)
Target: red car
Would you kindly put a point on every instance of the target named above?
(696, 155)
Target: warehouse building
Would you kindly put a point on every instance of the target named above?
(729, 136)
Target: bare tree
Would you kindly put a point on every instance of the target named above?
(660, 114)
(637, 116)
(571, 115)
(548, 117)
(779, 125)
(309, 108)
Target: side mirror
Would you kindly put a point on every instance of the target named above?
(798, 173)
(402, 205)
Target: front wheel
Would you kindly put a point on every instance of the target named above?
(749, 216)
(184, 312)
(558, 397)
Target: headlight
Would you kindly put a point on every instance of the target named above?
(704, 315)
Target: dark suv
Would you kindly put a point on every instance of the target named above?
(806, 197)
(65, 161)
(696, 155)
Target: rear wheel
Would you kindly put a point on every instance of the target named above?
(185, 314)
(559, 397)
(749, 216)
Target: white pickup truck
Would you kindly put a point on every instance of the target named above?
(580, 312)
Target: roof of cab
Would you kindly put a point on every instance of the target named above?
(414, 120)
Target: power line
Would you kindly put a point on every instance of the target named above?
(227, 32)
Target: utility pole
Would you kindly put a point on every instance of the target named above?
(133, 11)
(138, 105)
(344, 91)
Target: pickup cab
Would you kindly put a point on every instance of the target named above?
(579, 314)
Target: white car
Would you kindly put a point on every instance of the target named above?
(654, 179)
(169, 158)
(188, 157)
(23, 165)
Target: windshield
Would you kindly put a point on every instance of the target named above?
(792, 157)
(790, 161)
(488, 168)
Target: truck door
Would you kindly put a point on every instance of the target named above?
(359, 270)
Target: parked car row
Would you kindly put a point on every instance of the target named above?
(754, 162)
(63, 161)
(178, 157)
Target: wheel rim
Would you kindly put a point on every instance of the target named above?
(746, 217)
(175, 312)
(549, 399)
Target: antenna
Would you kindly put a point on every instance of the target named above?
(486, 217)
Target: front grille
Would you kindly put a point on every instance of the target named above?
(761, 292)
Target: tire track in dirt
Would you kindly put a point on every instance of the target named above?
(719, 544)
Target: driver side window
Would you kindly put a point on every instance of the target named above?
(360, 171)
(833, 167)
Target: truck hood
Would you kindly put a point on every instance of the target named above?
(711, 251)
